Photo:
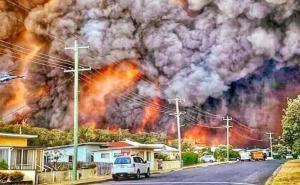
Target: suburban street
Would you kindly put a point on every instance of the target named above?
(237, 173)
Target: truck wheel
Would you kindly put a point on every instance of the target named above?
(115, 178)
(138, 175)
(148, 173)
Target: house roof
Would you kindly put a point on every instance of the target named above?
(21, 147)
(81, 144)
(118, 144)
(124, 148)
(163, 147)
(26, 136)
(128, 144)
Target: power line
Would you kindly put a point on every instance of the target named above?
(24, 106)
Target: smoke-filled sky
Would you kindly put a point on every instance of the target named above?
(236, 57)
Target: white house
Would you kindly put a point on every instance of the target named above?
(171, 152)
(64, 153)
(127, 147)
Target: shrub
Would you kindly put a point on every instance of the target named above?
(3, 176)
(16, 176)
(163, 157)
(88, 166)
(189, 158)
(3, 165)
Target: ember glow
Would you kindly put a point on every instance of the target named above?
(151, 115)
(205, 136)
(104, 85)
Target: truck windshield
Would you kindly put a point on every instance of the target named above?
(123, 160)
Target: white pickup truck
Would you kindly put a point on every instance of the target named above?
(130, 166)
(245, 156)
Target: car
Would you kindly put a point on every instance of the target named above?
(288, 156)
(245, 156)
(208, 158)
(130, 166)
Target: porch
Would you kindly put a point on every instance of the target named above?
(22, 158)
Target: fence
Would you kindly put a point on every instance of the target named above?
(103, 168)
(64, 174)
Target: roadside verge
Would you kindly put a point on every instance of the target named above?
(286, 174)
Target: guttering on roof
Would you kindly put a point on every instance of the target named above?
(81, 144)
(26, 136)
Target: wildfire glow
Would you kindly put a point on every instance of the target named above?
(151, 114)
(30, 45)
(104, 85)
(202, 135)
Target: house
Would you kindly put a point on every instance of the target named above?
(127, 148)
(64, 153)
(171, 152)
(15, 152)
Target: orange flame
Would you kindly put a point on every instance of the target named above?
(26, 56)
(204, 136)
(104, 85)
(151, 114)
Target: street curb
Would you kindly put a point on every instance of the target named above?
(99, 181)
(274, 174)
(194, 166)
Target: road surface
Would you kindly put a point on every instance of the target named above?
(240, 173)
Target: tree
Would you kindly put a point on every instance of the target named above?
(296, 147)
(279, 151)
(291, 122)
(221, 153)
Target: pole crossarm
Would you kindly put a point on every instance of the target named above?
(80, 70)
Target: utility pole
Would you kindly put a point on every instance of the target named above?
(271, 146)
(227, 119)
(76, 71)
(177, 114)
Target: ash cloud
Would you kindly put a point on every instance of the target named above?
(195, 52)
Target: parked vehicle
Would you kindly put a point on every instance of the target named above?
(208, 158)
(130, 166)
(288, 156)
(258, 155)
(245, 156)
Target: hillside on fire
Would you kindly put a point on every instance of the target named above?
(222, 57)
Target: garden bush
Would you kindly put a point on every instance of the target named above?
(3, 176)
(189, 158)
(3, 165)
(16, 176)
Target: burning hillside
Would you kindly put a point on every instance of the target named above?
(221, 56)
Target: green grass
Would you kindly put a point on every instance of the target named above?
(289, 174)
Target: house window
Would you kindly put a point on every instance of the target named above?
(3, 154)
(19, 156)
(92, 158)
(70, 158)
(104, 155)
(148, 156)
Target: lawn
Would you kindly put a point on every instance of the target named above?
(289, 174)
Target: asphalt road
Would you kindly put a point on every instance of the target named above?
(240, 173)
